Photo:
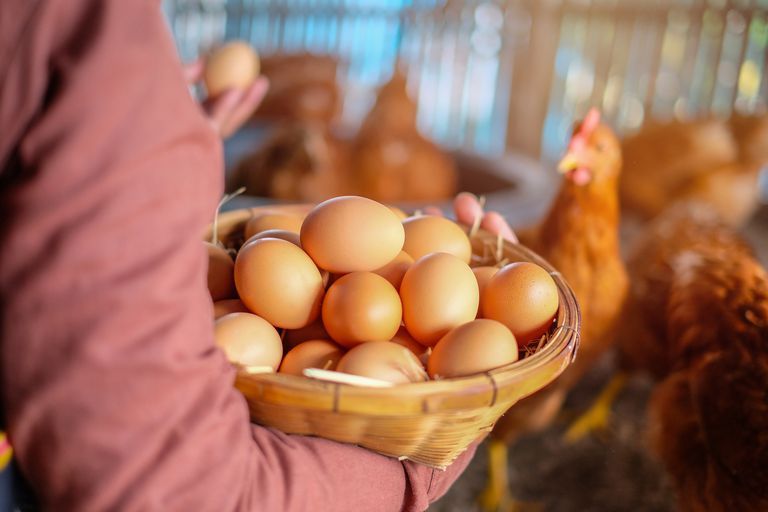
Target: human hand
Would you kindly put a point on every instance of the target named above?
(228, 111)
(467, 209)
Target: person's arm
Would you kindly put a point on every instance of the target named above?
(114, 395)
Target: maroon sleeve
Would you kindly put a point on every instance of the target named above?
(113, 393)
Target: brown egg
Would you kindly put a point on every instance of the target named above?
(522, 296)
(248, 340)
(269, 221)
(406, 340)
(227, 306)
(426, 234)
(221, 268)
(395, 269)
(323, 354)
(234, 65)
(281, 234)
(483, 275)
(351, 234)
(439, 292)
(474, 347)
(383, 360)
(279, 282)
(361, 307)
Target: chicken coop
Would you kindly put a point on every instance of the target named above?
(498, 85)
(494, 76)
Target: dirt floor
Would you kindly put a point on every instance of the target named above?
(609, 472)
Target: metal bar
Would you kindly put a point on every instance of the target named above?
(661, 23)
(763, 94)
(709, 95)
(692, 50)
(603, 59)
(529, 99)
(635, 9)
(742, 55)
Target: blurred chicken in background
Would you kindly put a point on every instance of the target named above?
(302, 87)
(644, 346)
(392, 160)
(713, 161)
(387, 159)
(580, 237)
(303, 162)
(698, 319)
(302, 159)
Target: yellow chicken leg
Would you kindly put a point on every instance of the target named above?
(596, 417)
(496, 496)
(497, 491)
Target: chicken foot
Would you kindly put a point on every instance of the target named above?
(597, 416)
(496, 496)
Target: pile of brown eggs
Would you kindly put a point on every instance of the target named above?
(356, 288)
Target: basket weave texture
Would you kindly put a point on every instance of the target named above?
(429, 422)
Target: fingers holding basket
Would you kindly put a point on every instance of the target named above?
(469, 211)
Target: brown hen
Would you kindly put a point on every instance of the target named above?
(299, 162)
(710, 160)
(392, 160)
(699, 303)
(579, 237)
(302, 87)
(643, 346)
(387, 160)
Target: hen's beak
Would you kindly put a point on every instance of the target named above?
(575, 166)
(568, 163)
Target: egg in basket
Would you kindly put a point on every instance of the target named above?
(408, 336)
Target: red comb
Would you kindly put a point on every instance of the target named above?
(588, 126)
(590, 122)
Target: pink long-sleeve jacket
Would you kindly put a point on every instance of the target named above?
(113, 394)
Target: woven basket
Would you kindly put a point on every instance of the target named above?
(430, 422)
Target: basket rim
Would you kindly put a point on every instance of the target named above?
(564, 337)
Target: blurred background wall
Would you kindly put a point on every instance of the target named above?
(493, 76)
